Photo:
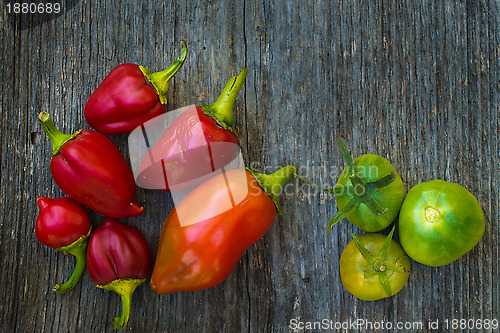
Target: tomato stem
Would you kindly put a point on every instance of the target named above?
(380, 183)
(361, 189)
(327, 190)
(341, 214)
(161, 80)
(382, 276)
(351, 168)
(387, 243)
(352, 173)
(364, 252)
(378, 262)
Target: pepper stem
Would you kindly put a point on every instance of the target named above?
(273, 183)
(78, 249)
(327, 190)
(125, 288)
(378, 262)
(222, 109)
(161, 80)
(56, 137)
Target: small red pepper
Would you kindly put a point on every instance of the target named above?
(208, 231)
(199, 141)
(119, 259)
(89, 168)
(63, 224)
(125, 100)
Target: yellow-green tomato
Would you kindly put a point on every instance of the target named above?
(364, 274)
(439, 222)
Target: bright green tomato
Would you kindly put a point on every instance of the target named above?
(439, 222)
(369, 192)
(371, 169)
(375, 268)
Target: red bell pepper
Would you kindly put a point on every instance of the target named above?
(89, 168)
(207, 232)
(119, 259)
(199, 141)
(63, 224)
(125, 100)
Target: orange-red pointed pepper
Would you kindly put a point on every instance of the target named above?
(90, 169)
(208, 231)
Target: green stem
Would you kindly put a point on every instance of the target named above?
(125, 288)
(363, 190)
(387, 243)
(57, 138)
(381, 182)
(391, 267)
(78, 249)
(161, 80)
(222, 109)
(273, 183)
(352, 173)
(360, 191)
(327, 190)
(339, 216)
(375, 207)
(364, 252)
(382, 276)
(378, 262)
(351, 168)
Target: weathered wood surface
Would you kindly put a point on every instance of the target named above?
(416, 82)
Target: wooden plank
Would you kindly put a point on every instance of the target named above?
(416, 82)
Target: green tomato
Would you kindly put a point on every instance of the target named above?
(373, 266)
(369, 192)
(439, 222)
(370, 168)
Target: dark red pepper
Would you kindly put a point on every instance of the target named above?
(125, 99)
(89, 168)
(119, 259)
(199, 141)
(63, 224)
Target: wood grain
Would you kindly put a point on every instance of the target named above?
(416, 82)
